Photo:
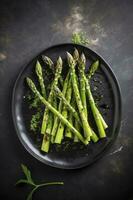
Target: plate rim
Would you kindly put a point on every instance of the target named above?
(99, 156)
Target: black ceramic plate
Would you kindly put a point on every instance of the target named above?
(74, 155)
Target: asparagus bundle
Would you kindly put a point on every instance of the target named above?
(85, 123)
(66, 112)
(47, 118)
(54, 111)
(74, 113)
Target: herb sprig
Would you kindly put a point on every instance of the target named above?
(29, 181)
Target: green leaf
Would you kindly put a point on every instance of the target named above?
(27, 173)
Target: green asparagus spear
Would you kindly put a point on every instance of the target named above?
(46, 143)
(76, 125)
(55, 105)
(50, 98)
(92, 70)
(68, 132)
(54, 111)
(105, 126)
(56, 120)
(51, 118)
(46, 140)
(40, 78)
(76, 55)
(95, 112)
(94, 137)
(59, 134)
(49, 62)
(49, 125)
(81, 66)
(85, 123)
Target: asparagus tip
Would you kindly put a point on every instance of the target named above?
(47, 60)
(59, 61)
(28, 80)
(83, 59)
(69, 57)
(76, 54)
(37, 63)
(97, 61)
(38, 68)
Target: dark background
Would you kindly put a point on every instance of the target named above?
(28, 27)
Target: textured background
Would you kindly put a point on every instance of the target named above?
(28, 27)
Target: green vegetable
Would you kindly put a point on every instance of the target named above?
(56, 120)
(94, 137)
(81, 66)
(40, 78)
(74, 113)
(50, 98)
(94, 109)
(76, 55)
(85, 123)
(29, 181)
(54, 111)
(68, 132)
(49, 121)
(46, 143)
(59, 134)
(77, 126)
(92, 70)
(66, 109)
(50, 63)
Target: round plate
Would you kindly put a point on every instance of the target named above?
(77, 155)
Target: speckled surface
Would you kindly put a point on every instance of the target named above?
(26, 28)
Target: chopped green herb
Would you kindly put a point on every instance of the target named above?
(34, 123)
(80, 38)
(33, 100)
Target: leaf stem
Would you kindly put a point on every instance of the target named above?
(50, 183)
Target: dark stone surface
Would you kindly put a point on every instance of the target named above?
(28, 27)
